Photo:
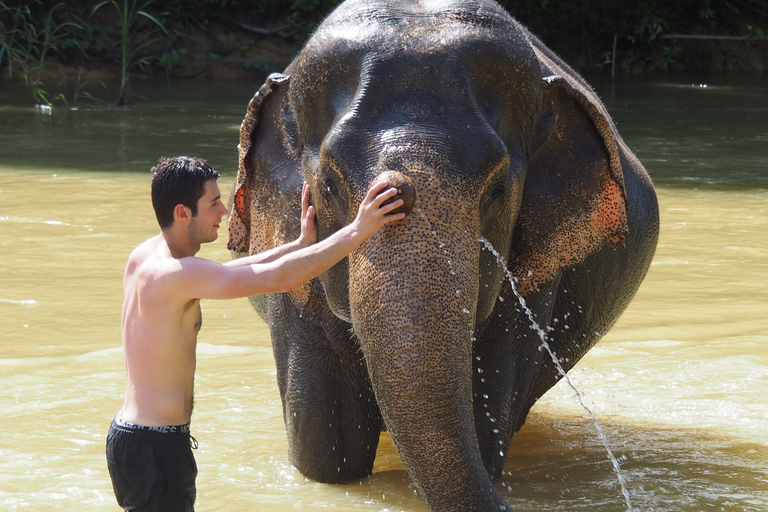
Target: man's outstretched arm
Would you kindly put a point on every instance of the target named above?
(284, 269)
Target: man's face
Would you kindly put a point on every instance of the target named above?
(204, 226)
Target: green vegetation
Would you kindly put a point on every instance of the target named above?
(585, 30)
(160, 37)
(26, 42)
(134, 38)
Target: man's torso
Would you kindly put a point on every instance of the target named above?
(159, 339)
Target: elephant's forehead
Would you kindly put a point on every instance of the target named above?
(390, 29)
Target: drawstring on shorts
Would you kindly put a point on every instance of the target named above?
(193, 442)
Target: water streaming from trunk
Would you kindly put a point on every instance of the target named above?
(543, 337)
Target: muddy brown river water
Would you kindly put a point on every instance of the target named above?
(680, 385)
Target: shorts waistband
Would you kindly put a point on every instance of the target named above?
(167, 429)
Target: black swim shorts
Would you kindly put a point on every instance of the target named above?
(152, 468)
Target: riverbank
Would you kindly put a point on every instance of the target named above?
(229, 49)
(222, 47)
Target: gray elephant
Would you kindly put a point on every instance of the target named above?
(418, 331)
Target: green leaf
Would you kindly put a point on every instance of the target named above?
(156, 21)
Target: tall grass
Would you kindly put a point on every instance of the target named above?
(25, 44)
(133, 39)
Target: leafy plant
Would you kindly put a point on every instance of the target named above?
(753, 32)
(707, 13)
(80, 92)
(670, 55)
(649, 28)
(26, 44)
(133, 40)
(170, 60)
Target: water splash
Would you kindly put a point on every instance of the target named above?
(543, 337)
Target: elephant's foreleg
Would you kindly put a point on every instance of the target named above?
(507, 362)
(331, 416)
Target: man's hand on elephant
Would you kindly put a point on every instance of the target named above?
(373, 214)
(308, 225)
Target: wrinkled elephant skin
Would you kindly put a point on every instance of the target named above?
(417, 330)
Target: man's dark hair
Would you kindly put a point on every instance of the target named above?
(178, 180)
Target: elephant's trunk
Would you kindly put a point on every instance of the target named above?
(413, 309)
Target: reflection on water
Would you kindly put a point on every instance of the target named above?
(680, 384)
(696, 131)
(200, 117)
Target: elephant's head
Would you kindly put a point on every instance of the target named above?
(499, 141)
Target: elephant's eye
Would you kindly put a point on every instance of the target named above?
(334, 197)
(499, 191)
(330, 187)
(495, 198)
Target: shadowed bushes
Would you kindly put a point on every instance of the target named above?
(153, 36)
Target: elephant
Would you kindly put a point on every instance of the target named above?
(418, 331)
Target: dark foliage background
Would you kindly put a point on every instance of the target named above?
(581, 30)
(187, 38)
(586, 23)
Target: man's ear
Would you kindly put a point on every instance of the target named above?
(181, 213)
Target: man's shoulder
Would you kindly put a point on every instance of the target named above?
(162, 271)
(150, 260)
(145, 249)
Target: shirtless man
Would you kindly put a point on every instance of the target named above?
(148, 446)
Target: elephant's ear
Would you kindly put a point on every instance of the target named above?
(266, 195)
(574, 200)
(239, 224)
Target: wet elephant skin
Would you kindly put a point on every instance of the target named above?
(417, 330)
